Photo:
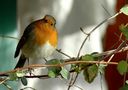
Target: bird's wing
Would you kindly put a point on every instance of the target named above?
(23, 39)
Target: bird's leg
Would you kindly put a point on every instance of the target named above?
(45, 59)
(29, 69)
(28, 61)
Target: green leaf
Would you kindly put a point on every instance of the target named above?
(125, 87)
(24, 81)
(73, 66)
(13, 76)
(77, 68)
(53, 71)
(90, 73)
(124, 30)
(122, 67)
(101, 68)
(96, 56)
(124, 10)
(65, 73)
(87, 57)
(21, 73)
(52, 74)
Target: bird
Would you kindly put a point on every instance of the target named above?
(39, 40)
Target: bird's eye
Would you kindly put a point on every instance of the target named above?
(51, 24)
(46, 20)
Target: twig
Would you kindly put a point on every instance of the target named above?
(82, 45)
(37, 76)
(88, 35)
(5, 36)
(94, 30)
(70, 83)
(110, 58)
(9, 87)
(105, 10)
(116, 50)
(112, 51)
(101, 77)
(26, 88)
(73, 81)
(59, 50)
(3, 81)
(56, 65)
(79, 87)
(83, 31)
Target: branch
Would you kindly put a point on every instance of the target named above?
(57, 65)
(59, 50)
(71, 61)
(94, 30)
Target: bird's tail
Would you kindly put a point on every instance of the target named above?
(21, 61)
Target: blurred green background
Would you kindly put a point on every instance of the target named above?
(8, 26)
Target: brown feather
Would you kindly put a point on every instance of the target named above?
(24, 38)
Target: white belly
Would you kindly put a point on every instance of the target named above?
(35, 52)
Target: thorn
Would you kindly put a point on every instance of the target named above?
(83, 31)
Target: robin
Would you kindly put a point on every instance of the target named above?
(38, 41)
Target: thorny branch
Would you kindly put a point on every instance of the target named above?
(88, 35)
(67, 62)
(70, 61)
(34, 66)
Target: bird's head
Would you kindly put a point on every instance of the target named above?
(49, 19)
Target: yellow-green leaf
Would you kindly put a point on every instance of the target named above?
(124, 30)
(87, 57)
(122, 67)
(53, 71)
(51, 74)
(97, 56)
(124, 10)
(90, 73)
(13, 76)
(65, 73)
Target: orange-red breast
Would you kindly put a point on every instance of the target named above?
(38, 41)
